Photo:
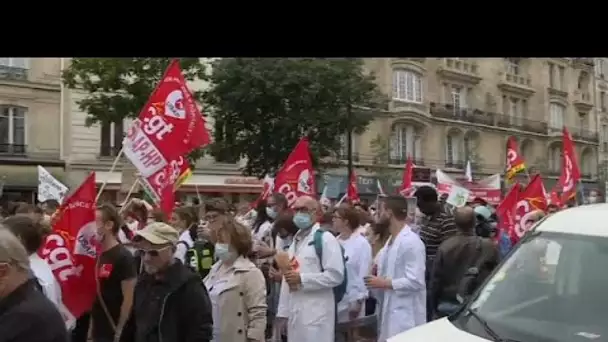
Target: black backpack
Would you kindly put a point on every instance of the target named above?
(201, 256)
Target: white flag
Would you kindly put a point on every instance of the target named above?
(324, 199)
(49, 187)
(468, 173)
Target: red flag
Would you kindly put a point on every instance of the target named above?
(571, 174)
(554, 198)
(506, 212)
(352, 192)
(515, 162)
(266, 191)
(406, 188)
(71, 250)
(169, 127)
(531, 200)
(296, 176)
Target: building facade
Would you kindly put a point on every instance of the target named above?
(447, 111)
(31, 124)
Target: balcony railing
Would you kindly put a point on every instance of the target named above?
(520, 80)
(403, 160)
(461, 65)
(344, 156)
(585, 134)
(477, 116)
(12, 73)
(19, 151)
(455, 164)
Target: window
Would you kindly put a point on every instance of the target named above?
(343, 146)
(404, 142)
(602, 101)
(555, 158)
(470, 147)
(513, 66)
(599, 67)
(583, 121)
(605, 132)
(551, 75)
(454, 148)
(459, 97)
(407, 86)
(112, 135)
(556, 116)
(12, 129)
(587, 164)
(561, 71)
(12, 62)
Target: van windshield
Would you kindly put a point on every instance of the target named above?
(552, 288)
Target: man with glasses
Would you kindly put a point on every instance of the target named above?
(171, 303)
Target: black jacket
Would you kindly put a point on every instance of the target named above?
(454, 257)
(26, 315)
(176, 308)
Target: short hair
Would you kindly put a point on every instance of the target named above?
(280, 199)
(12, 251)
(27, 230)
(426, 194)
(186, 214)
(362, 205)
(159, 216)
(396, 204)
(326, 218)
(52, 204)
(285, 221)
(110, 214)
(216, 204)
(239, 236)
(24, 208)
(349, 214)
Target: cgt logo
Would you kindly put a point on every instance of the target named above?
(568, 181)
(174, 105)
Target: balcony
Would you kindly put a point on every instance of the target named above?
(582, 100)
(12, 73)
(403, 160)
(477, 116)
(585, 135)
(584, 62)
(459, 70)
(455, 164)
(516, 83)
(22, 154)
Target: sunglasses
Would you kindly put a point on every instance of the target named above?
(152, 252)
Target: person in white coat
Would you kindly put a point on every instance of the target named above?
(306, 299)
(358, 254)
(400, 284)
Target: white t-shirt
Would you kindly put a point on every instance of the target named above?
(46, 279)
(185, 243)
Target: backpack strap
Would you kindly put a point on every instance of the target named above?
(317, 242)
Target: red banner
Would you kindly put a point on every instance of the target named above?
(406, 188)
(168, 128)
(296, 176)
(352, 192)
(71, 250)
(571, 174)
(530, 201)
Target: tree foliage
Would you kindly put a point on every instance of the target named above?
(381, 168)
(263, 106)
(118, 88)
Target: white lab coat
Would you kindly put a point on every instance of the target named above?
(404, 262)
(310, 310)
(358, 252)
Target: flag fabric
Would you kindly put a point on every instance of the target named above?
(531, 200)
(266, 191)
(296, 176)
(407, 187)
(168, 128)
(184, 175)
(352, 192)
(506, 219)
(515, 163)
(324, 200)
(71, 250)
(49, 187)
(570, 175)
(380, 189)
(468, 173)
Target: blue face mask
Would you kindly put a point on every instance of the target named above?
(223, 252)
(302, 220)
(271, 212)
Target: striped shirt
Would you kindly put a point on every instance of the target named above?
(435, 229)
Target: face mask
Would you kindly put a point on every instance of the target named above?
(271, 212)
(223, 252)
(302, 220)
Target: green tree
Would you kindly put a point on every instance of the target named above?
(263, 106)
(380, 167)
(118, 88)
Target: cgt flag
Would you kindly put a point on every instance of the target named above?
(296, 176)
(515, 163)
(407, 189)
(71, 251)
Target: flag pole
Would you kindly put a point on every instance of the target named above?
(131, 190)
(112, 168)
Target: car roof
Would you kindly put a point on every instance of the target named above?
(590, 219)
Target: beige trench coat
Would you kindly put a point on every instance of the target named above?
(242, 302)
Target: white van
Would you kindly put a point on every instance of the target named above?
(553, 287)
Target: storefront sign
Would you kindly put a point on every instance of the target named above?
(243, 181)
